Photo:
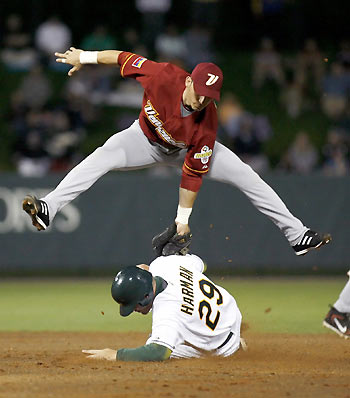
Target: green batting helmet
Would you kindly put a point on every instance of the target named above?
(132, 286)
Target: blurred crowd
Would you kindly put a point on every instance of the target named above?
(49, 127)
(309, 81)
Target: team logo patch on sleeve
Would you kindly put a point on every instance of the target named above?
(204, 154)
(138, 62)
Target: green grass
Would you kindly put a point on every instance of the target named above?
(62, 305)
(285, 305)
(267, 305)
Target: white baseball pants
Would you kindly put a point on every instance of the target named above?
(343, 302)
(130, 149)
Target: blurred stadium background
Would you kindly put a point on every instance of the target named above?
(284, 110)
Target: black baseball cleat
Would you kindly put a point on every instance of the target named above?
(38, 211)
(339, 322)
(311, 240)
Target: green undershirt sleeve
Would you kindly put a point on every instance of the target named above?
(149, 352)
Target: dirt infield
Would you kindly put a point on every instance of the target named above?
(52, 365)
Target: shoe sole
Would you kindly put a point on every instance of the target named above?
(328, 326)
(30, 207)
(326, 239)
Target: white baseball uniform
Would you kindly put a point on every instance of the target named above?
(343, 302)
(193, 317)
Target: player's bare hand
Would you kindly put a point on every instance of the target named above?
(71, 57)
(107, 353)
(182, 229)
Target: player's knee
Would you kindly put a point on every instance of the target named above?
(113, 159)
(240, 175)
(247, 171)
(248, 174)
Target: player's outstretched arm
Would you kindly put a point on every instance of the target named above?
(77, 58)
(148, 352)
(186, 202)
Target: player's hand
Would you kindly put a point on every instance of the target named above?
(71, 57)
(182, 229)
(169, 242)
(107, 353)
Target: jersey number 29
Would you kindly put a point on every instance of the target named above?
(209, 290)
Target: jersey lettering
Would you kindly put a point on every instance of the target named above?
(186, 271)
(188, 301)
(187, 290)
(185, 284)
(152, 114)
(186, 309)
(186, 276)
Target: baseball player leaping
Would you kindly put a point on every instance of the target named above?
(177, 126)
(191, 316)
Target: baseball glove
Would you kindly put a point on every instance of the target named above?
(169, 242)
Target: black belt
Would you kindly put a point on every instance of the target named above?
(164, 149)
(228, 338)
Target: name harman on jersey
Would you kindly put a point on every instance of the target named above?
(186, 282)
(152, 114)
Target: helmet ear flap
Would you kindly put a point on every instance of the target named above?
(147, 299)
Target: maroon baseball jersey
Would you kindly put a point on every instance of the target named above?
(161, 119)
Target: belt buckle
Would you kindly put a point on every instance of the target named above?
(165, 150)
(171, 151)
